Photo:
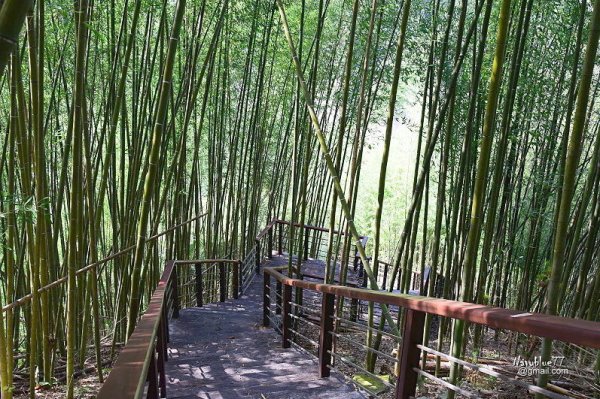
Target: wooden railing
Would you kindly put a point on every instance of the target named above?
(143, 358)
(141, 363)
(140, 366)
(578, 332)
(275, 238)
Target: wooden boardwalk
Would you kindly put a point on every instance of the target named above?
(221, 351)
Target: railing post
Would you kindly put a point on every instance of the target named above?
(412, 336)
(222, 283)
(176, 305)
(165, 316)
(160, 348)
(325, 336)
(199, 288)
(236, 279)
(278, 298)
(257, 256)
(152, 378)
(353, 309)
(270, 243)
(280, 239)
(385, 273)
(306, 233)
(286, 316)
(266, 298)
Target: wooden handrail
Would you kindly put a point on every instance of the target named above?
(130, 371)
(575, 331)
(310, 227)
(348, 283)
(142, 359)
(23, 300)
(268, 227)
(198, 261)
(137, 362)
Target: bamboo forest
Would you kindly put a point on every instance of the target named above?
(342, 199)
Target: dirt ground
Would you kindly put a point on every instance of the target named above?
(86, 386)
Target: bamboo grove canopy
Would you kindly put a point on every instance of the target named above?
(460, 135)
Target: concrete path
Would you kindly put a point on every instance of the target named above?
(221, 351)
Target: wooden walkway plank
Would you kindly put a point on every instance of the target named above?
(221, 351)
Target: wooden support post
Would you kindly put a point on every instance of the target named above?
(354, 309)
(152, 378)
(257, 256)
(286, 316)
(412, 335)
(165, 316)
(199, 288)
(356, 258)
(280, 239)
(278, 298)
(161, 346)
(222, 283)
(306, 233)
(270, 242)
(385, 273)
(266, 298)
(175, 291)
(236, 279)
(325, 336)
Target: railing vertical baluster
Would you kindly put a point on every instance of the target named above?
(270, 243)
(353, 309)
(356, 258)
(266, 298)
(385, 273)
(412, 335)
(325, 337)
(165, 316)
(280, 239)
(257, 256)
(160, 348)
(278, 298)
(152, 378)
(286, 316)
(236, 279)
(199, 288)
(176, 306)
(306, 233)
(222, 283)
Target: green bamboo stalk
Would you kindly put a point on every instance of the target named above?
(574, 151)
(12, 18)
(330, 166)
(384, 162)
(152, 171)
(480, 182)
